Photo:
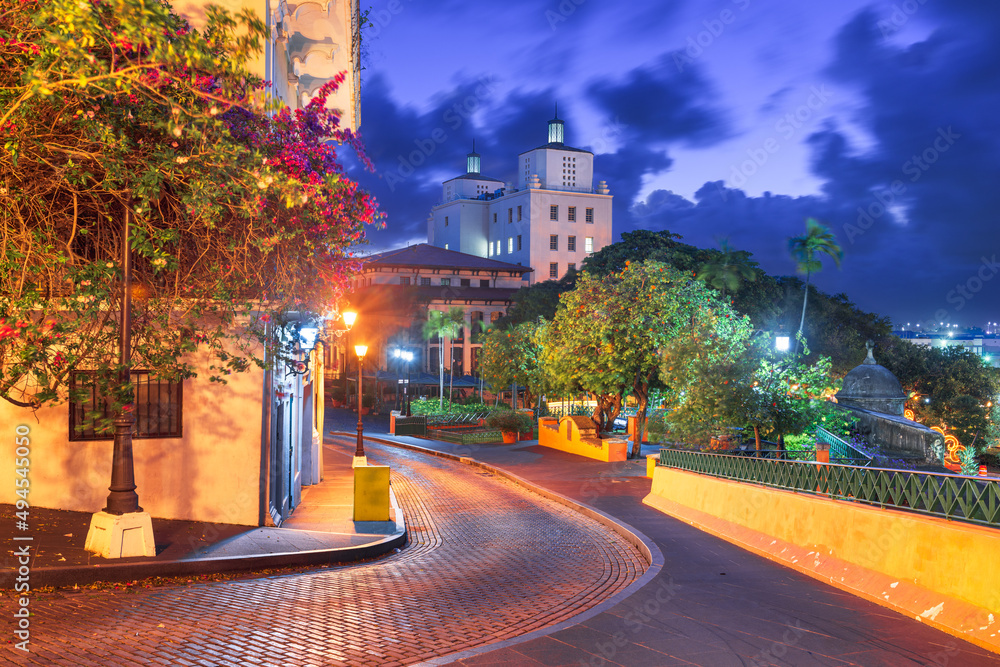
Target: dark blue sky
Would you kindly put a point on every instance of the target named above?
(713, 119)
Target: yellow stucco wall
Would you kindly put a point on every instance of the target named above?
(941, 572)
(210, 474)
(565, 437)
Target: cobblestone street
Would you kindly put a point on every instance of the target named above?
(487, 561)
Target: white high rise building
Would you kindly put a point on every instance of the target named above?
(551, 220)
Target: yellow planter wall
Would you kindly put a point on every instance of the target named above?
(565, 436)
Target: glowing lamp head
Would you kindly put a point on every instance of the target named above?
(349, 318)
(361, 351)
(782, 343)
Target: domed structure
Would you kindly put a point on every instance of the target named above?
(872, 387)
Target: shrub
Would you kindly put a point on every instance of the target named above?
(509, 421)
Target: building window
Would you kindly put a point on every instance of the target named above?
(484, 283)
(554, 270)
(588, 244)
(518, 241)
(571, 214)
(510, 244)
(553, 212)
(554, 242)
(519, 214)
(494, 218)
(404, 280)
(510, 215)
(571, 267)
(445, 221)
(425, 282)
(590, 215)
(466, 282)
(571, 244)
(494, 316)
(498, 247)
(157, 408)
(446, 282)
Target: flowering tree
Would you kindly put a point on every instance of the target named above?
(240, 212)
(607, 335)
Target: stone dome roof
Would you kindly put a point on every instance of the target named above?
(872, 387)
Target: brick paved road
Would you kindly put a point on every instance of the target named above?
(487, 561)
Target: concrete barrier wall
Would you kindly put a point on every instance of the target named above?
(940, 572)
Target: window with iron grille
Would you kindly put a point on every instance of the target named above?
(571, 266)
(445, 221)
(484, 283)
(554, 242)
(510, 215)
(425, 281)
(494, 218)
(553, 212)
(590, 215)
(404, 280)
(571, 213)
(466, 282)
(518, 241)
(554, 270)
(571, 244)
(156, 408)
(519, 214)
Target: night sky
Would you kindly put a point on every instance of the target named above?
(719, 119)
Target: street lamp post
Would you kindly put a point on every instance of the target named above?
(349, 318)
(406, 356)
(359, 452)
(122, 516)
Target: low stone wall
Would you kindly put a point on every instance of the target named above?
(578, 435)
(940, 572)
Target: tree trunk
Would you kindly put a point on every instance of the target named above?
(756, 438)
(781, 445)
(451, 368)
(641, 390)
(802, 320)
(441, 375)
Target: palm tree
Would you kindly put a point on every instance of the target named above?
(444, 325)
(818, 239)
(728, 269)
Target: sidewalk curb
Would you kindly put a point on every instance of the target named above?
(650, 552)
(124, 572)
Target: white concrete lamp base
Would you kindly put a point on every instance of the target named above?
(359, 461)
(121, 535)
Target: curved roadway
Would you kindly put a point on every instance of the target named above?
(487, 561)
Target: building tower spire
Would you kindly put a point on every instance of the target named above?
(472, 160)
(557, 129)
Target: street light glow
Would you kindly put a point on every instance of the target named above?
(361, 351)
(781, 343)
(349, 317)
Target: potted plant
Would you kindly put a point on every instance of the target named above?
(367, 402)
(510, 424)
(337, 397)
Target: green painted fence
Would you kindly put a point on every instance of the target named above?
(972, 499)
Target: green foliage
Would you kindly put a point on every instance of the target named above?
(427, 406)
(540, 300)
(512, 355)
(950, 387)
(238, 215)
(728, 270)
(606, 337)
(510, 421)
